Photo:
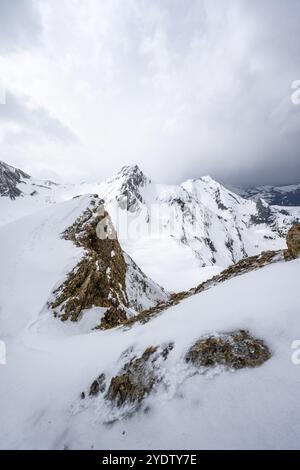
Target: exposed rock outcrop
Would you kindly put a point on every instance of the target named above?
(142, 374)
(264, 214)
(105, 276)
(136, 380)
(235, 350)
(293, 241)
(113, 317)
(98, 386)
(99, 278)
(10, 178)
(132, 181)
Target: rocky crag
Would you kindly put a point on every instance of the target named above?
(105, 276)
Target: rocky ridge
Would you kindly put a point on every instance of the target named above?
(242, 267)
(105, 276)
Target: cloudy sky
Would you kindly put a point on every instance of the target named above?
(183, 88)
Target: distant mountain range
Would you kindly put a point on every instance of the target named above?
(288, 195)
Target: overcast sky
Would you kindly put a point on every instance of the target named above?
(183, 88)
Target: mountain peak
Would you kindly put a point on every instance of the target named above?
(207, 179)
(134, 172)
(10, 178)
(127, 185)
(5, 167)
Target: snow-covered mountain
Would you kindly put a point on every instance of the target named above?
(100, 356)
(208, 223)
(199, 223)
(214, 360)
(10, 180)
(274, 195)
(16, 183)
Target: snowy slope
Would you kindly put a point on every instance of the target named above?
(48, 368)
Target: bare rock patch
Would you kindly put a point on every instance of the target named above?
(236, 350)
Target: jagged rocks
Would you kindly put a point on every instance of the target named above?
(243, 266)
(142, 374)
(100, 277)
(10, 178)
(293, 241)
(134, 179)
(136, 380)
(113, 317)
(235, 350)
(98, 386)
(264, 214)
(105, 276)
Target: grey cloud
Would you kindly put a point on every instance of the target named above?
(33, 123)
(20, 24)
(235, 82)
(183, 88)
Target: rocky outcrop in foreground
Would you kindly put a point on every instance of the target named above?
(142, 375)
(236, 350)
(293, 241)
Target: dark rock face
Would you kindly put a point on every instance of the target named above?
(98, 386)
(235, 350)
(264, 214)
(134, 180)
(219, 202)
(293, 241)
(10, 178)
(113, 317)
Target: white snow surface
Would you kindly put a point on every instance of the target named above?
(49, 365)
